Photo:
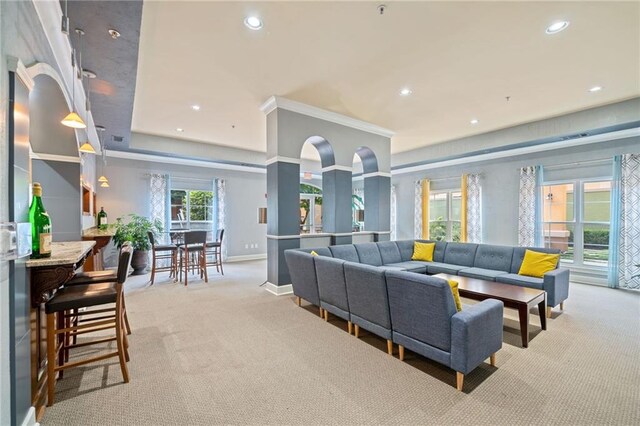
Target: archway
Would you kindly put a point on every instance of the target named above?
(365, 164)
(316, 156)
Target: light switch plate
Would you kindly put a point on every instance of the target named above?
(15, 240)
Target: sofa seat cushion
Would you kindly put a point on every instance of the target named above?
(444, 268)
(411, 266)
(391, 268)
(481, 273)
(521, 280)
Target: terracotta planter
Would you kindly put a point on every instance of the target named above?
(139, 262)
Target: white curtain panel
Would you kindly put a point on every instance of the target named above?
(629, 228)
(158, 190)
(474, 209)
(394, 208)
(527, 207)
(417, 210)
(220, 213)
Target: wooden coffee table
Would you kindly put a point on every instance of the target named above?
(513, 296)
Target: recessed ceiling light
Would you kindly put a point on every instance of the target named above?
(595, 89)
(253, 22)
(195, 107)
(405, 92)
(474, 121)
(114, 33)
(179, 130)
(556, 27)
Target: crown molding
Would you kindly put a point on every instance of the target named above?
(283, 103)
(14, 64)
(53, 157)
(280, 159)
(335, 167)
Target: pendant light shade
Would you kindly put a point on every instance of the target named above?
(74, 121)
(87, 148)
(104, 184)
(103, 179)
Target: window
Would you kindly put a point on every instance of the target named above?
(192, 210)
(444, 215)
(577, 220)
(310, 209)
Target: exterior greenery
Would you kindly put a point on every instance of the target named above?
(136, 231)
(304, 203)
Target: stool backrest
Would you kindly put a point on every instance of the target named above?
(126, 253)
(152, 240)
(220, 235)
(195, 237)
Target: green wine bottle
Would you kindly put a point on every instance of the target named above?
(102, 219)
(40, 225)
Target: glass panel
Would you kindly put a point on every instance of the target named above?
(438, 230)
(199, 201)
(455, 231)
(317, 216)
(438, 206)
(596, 244)
(178, 205)
(305, 217)
(559, 203)
(560, 236)
(456, 204)
(597, 202)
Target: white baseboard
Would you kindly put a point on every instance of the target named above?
(245, 258)
(30, 420)
(278, 290)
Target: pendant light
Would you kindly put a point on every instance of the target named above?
(102, 177)
(105, 184)
(87, 148)
(73, 120)
(64, 26)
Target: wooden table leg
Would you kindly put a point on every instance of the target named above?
(523, 311)
(542, 309)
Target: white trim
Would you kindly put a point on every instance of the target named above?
(283, 237)
(14, 64)
(336, 167)
(278, 290)
(374, 174)
(281, 159)
(184, 161)
(381, 232)
(342, 234)
(30, 418)
(53, 157)
(245, 258)
(605, 137)
(283, 103)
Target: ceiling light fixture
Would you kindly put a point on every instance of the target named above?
(87, 148)
(90, 76)
(474, 121)
(179, 130)
(556, 27)
(115, 34)
(105, 184)
(253, 22)
(405, 92)
(595, 89)
(72, 119)
(103, 179)
(64, 26)
(195, 107)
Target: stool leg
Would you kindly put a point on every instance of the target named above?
(51, 358)
(203, 266)
(219, 253)
(153, 265)
(120, 340)
(61, 322)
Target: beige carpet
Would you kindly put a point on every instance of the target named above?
(228, 352)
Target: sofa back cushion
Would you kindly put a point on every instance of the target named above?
(369, 254)
(518, 256)
(367, 293)
(303, 275)
(421, 307)
(320, 251)
(331, 284)
(406, 249)
(461, 254)
(345, 252)
(493, 257)
(389, 252)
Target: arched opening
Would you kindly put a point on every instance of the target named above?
(316, 155)
(364, 162)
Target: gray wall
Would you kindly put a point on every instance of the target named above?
(245, 192)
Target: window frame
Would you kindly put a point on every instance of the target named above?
(449, 212)
(187, 222)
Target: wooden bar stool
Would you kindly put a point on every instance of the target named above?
(213, 249)
(163, 253)
(194, 242)
(60, 330)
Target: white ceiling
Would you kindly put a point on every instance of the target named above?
(460, 59)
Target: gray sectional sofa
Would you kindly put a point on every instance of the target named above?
(377, 287)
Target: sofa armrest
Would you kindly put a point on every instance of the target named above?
(556, 284)
(476, 333)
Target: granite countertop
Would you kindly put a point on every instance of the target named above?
(95, 232)
(66, 253)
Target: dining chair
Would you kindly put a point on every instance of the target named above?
(194, 244)
(213, 250)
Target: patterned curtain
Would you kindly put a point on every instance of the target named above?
(394, 208)
(529, 217)
(474, 208)
(417, 210)
(220, 212)
(624, 239)
(159, 190)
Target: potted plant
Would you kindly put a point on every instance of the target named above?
(137, 231)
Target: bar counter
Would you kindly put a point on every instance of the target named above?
(48, 275)
(102, 238)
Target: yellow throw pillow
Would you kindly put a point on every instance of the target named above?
(456, 294)
(423, 251)
(536, 264)
(313, 253)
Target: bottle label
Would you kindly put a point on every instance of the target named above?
(45, 243)
(103, 221)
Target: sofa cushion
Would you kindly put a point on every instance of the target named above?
(423, 251)
(369, 254)
(406, 249)
(320, 251)
(518, 255)
(521, 280)
(444, 268)
(481, 273)
(389, 252)
(493, 257)
(462, 254)
(411, 266)
(536, 264)
(367, 292)
(345, 252)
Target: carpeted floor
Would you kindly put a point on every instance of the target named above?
(228, 352)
